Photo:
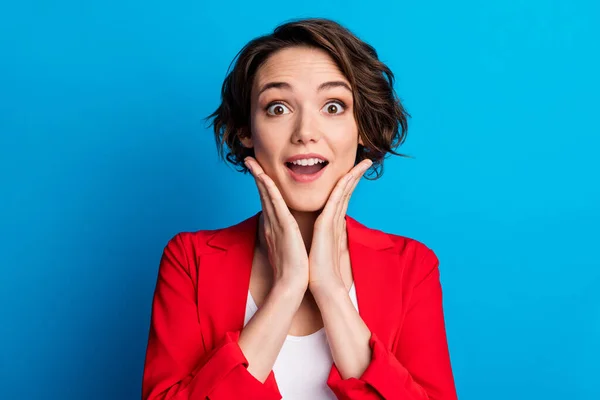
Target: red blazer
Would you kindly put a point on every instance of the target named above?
(199, 306)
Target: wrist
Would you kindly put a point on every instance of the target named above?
(289, 289)
(323, 292)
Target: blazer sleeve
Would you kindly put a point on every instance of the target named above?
(420, 368)
(177, 366)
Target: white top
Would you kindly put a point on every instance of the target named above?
(303, 364)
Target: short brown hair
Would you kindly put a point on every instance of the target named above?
(379, 114)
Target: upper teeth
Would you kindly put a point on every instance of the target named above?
(308, 161)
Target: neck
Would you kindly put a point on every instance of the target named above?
(305, 221)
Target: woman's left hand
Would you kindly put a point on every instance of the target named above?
(329, 233)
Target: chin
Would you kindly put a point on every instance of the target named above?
(309, 202)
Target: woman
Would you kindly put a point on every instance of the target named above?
(301, 301)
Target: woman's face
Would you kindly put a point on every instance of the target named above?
(301, 108)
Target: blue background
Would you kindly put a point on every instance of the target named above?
(104, 157)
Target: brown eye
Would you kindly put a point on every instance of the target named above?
(277, 109)
(334, 108)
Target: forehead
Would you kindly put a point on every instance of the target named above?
(298, 64)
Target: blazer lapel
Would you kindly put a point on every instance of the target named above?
(223, 287)
(375, 269)
(224, 281)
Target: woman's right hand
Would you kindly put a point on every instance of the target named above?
(286, 249)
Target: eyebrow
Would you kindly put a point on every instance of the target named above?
(322, 86)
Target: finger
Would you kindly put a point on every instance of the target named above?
(269, 216)
(339, 209)
(336, 196)
(276, 204)
(253, 165)
(358, 171)
(280, 207)
(263, 192)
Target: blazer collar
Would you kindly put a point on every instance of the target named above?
(374, 268)
(246, 231)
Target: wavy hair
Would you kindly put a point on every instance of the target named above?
(379, 114)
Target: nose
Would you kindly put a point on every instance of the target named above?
(306, 128)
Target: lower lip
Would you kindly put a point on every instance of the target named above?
(305, 178)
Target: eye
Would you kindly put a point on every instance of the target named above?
(334, 107)
(277, 109)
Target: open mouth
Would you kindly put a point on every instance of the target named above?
(302, 171)
(306, 169)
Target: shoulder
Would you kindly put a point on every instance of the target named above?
(419, 260)
(192, 240)
(406, 247)
(183, 252)
(192, 244)
(412, 249)
(416, 259)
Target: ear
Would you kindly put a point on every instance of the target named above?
(360, 140)
(245, 138)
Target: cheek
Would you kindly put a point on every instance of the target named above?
(261, 136)
(344, 141)
(268, 146)
(268, 141)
